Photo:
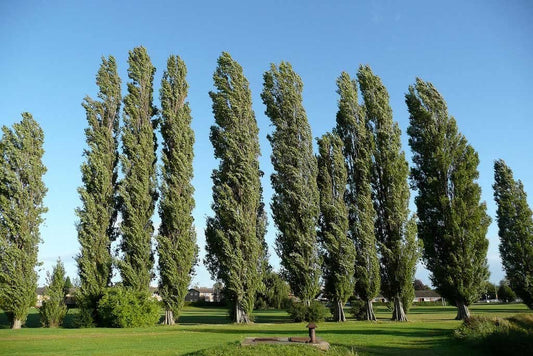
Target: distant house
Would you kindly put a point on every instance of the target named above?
(420, 296)
(40, 296)
(206, 294)
(427, 296)
(154, 292)
(193, 295)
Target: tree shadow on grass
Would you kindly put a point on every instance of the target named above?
(34, 320)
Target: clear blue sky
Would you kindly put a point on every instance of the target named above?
(477, 53)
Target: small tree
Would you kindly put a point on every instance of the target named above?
(419, 285)
(54, 309)
(505, 292)
(515, 225)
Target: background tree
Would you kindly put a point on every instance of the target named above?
(452, 220)
(98, 213)
(137, 190)
(395, 231)
(176, 242)
(295, 204)
(235, 235)
(338, 248)
(54, 309)
(419, 285)
(21, 208)
(515, 226)
(505, 293)
(276, 290)
(353, 129)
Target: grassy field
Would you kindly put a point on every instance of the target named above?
(207, 331)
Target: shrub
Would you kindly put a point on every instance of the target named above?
(122, 307)
(314, 313)
(512, 335)
(358, 309)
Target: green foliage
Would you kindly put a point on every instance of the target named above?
(358, 309)
(54, 309)
(276, 291)
(354, 130)
(395, 231)
(314, 312)
(137, 190)
(235, 235)
(515, 225)
(122, 307)
(176, 241)
(98, 213)
(506, 294)
(510, 336)
(452, 220)
(295, 204)
(338, 249)
(21, 208)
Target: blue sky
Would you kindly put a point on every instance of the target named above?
(477, 53)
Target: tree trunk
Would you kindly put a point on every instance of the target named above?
(339, 312)
(241, 317)
(169, 318)
(398, 314)
(370, 315)
(462, 311)
(16, 324)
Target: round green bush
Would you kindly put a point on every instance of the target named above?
(122, 307)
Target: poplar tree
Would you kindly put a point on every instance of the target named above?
(176, 241)
(235, 235)
(98, 213)
(395, 231)
(515, 226)
(452, 220)
(54, 309)
(338, 248)
(353, 128)
(137, 190)
(295, 204)
(21, 208)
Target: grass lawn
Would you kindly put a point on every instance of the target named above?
(207, 331)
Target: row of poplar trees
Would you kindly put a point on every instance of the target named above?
(342, 216)
(132, 195)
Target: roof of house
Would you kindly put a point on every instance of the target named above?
(426, 294)
(205, 290)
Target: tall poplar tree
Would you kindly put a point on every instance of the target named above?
(353, 128)
(235, 235)
(395, 231)
(515, 226)
(98, 213)
(137, 190)
(452, 220)
(295, 204)
(338, 248)
(176, 241)
(21, 208)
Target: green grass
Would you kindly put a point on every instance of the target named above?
(206, 331)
